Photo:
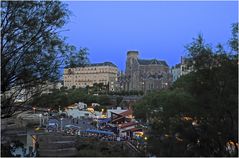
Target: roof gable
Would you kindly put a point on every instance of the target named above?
(152, 62)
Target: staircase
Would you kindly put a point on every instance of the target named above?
(56, 145)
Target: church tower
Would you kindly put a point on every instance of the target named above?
(132, 71)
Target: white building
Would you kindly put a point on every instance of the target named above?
(76, 113)
(181, 69)
(176, 72)
(105, 73)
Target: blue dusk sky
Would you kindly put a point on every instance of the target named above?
(157, 29)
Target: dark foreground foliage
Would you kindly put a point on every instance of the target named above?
(198, 115)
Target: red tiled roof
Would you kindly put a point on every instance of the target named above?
(127, 113)
(128, 124)
(118, 118)
(133, 130)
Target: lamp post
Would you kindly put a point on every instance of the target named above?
(34, 110)
(48, 114)
(61, 123)
(43, 120)
(40, 115)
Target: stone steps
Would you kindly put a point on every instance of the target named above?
(58, 152)
(57, 145)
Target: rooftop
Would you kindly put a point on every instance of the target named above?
(103, 64)
(95, 64)
(128, 124)
(152, 61)
(126, 113)
(132, 51)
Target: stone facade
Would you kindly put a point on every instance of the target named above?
(145, 75)
(105, 73)
(176, 72)
(182, 68)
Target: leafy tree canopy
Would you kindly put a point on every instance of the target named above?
(198, 115)
(32, 50)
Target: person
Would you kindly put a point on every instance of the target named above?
(24, 151)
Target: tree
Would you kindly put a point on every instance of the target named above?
(198, 115)
(79, 59)
(234, 40)
(119, 100)
(103, 100)
(31, 49)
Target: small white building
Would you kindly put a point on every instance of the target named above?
(182, 68)
(79, 113)
(126, 128)
(81, 105)
(176, 72)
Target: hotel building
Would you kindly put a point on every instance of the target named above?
(105, 73)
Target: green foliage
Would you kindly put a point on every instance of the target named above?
(79, 59)
(65, 98)
(174, 102)
(93, 147)
(32, 50)
(119, 100)
(234, 40)
(127, 93)
(103, 100)
(198, 115)
(98, 88)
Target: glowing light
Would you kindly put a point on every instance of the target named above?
(145, 138)
(166, 135)
(179, 139)
(37, 129)
(187, 118)
(140, 134)
(90, 110)
(103, 116)
(194, 123)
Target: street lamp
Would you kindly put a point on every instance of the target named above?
(43, 120)
(59, 108)
(34, 109)
(40, 115)
(48, 114)
(61, 123)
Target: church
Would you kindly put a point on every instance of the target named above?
(145, 75)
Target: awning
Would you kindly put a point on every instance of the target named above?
(98, 132)
(104, 120)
